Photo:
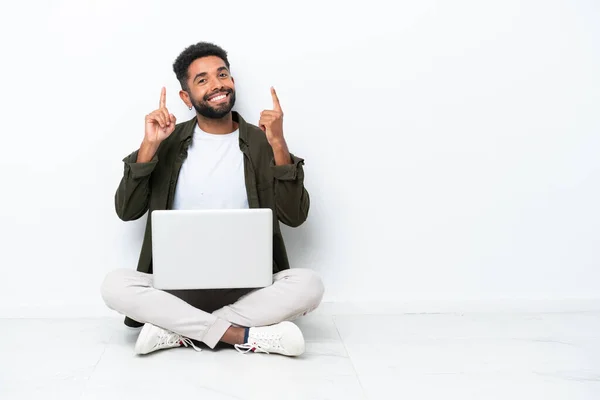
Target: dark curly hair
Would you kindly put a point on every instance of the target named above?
(192, 53)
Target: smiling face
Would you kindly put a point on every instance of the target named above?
(211, 89)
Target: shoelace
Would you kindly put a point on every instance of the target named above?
(171, 340)
(260, 343)
(245, 348)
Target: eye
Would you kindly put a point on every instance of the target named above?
(224, 75)
(201, 81)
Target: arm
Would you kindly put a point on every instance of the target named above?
(291, 198)
(133, 194)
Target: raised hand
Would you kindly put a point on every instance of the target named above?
(271, 121)
(159, 123)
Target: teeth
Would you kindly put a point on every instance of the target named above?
(221, 97)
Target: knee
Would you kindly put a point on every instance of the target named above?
(311, 286)
(114, 286)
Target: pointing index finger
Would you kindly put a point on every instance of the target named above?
(276, 105)
(163, 98)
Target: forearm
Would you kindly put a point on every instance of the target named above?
(146, 152)
(292, 201)
(133, 193)
(281, 154)
(131, 198)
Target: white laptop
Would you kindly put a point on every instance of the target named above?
(212, 249)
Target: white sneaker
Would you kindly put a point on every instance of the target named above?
(283, 338)
(153, 338)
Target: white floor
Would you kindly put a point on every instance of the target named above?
(419, 356)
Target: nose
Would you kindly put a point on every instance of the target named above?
(215, 85)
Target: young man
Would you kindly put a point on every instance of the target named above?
(215, 160)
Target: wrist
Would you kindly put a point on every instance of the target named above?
(150, 144)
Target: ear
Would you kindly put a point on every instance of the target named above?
(185, 97)
(233, 80)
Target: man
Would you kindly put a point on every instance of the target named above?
(215, 160)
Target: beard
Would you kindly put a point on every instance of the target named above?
(205, 109)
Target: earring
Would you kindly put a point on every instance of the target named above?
(190, 108)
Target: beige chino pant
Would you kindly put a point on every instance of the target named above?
(294, 293)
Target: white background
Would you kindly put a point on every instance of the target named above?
(451, 147)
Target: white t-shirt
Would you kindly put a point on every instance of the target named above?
(212, 175)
